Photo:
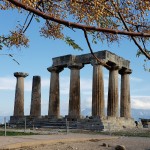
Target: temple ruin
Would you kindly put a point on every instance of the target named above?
(117, 64)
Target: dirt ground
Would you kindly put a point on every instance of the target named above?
(130, 143)
(79, 141)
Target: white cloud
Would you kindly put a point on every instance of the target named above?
(7, 83)
(135, 79)
(86, 102)
(27, 85)
(140, 102)
(45, 83)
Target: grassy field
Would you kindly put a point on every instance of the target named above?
(135, 132)
(11, 133)
(132, 133)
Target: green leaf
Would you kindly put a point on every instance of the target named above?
(71, 42)
(1, 47)
(37, 19)
(139, 53)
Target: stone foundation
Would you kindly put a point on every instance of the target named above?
(91, 123)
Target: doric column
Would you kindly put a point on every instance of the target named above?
(97, 91)
(35, 110)
(74, 95)
(19, 94)
(125, 104)
(54, 100)
(112, 105)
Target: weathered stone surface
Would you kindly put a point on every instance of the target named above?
(19, 94)
(86, 59)
(54, 100)
(74, 95)
(112, 105)
(35, 110)
(97, 91)
(75, 63)
(125, 103)
(20, 74)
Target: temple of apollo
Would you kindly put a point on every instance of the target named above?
(114, 117)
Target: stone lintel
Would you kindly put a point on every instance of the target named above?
(21, 74)
(55, 69)
(86, 59)
(75, 66)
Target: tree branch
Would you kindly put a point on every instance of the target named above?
(133, 38)
(28, 23)
(99, 60)
(75, 25)
(10, 55)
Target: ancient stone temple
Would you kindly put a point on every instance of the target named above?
(116, 66)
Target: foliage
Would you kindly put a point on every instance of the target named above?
(116, 15)
(71, 42)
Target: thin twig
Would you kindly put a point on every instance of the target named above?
(141, 38)
(133, 38)
(99, 60)
(28, 23)
(11, 55)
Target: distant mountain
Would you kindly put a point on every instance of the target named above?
(140, 113)
(136, 113)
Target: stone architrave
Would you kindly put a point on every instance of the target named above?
(19, 94)
(35, 110)
(97, 91)
(54, 96)
(112, 105)
(125, 103)
(74, 95)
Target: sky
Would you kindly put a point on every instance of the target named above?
(38, 57)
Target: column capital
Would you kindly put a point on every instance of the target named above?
(55, 69)
(21, 74)
(125, 71)
(95, 62)
(75, 65)
(115, 67)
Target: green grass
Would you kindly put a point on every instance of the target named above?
(133, 134)
(10, 133)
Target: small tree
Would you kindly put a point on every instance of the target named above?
(109, 20)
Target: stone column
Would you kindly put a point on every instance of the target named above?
(97, 91)
(54, 100)
(35, 110)
(74, 95)
(125, 104)
(112, 105)
(19, 94)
